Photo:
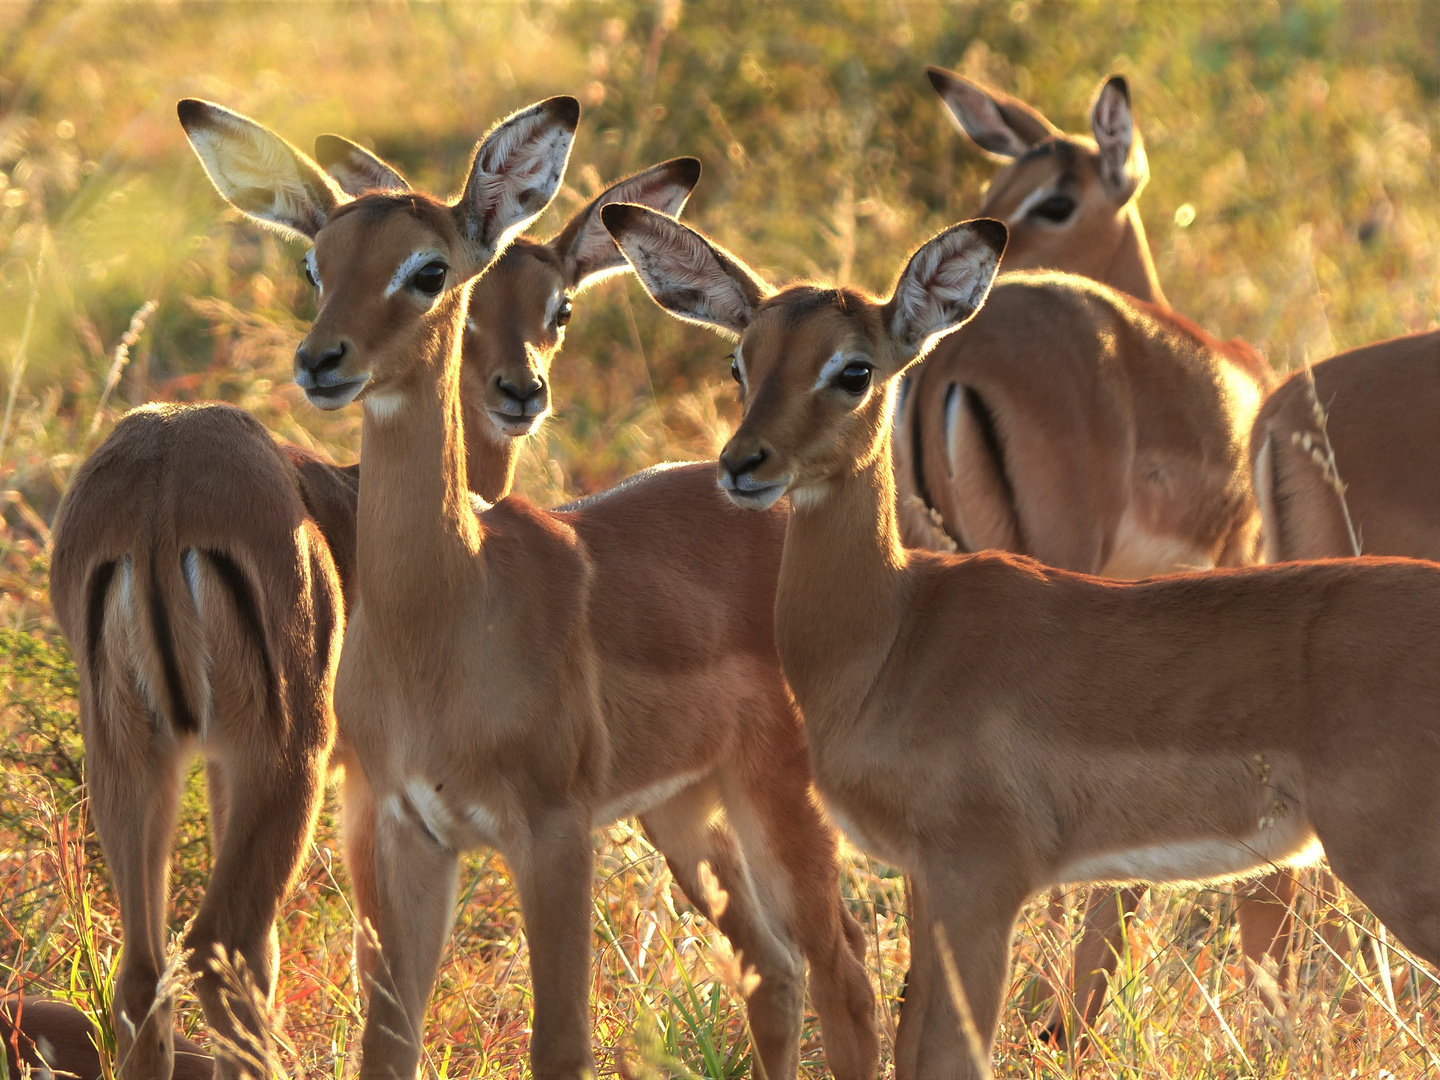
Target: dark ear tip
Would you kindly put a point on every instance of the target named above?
(687, 171)
(191, 111)
(618, 216)
(993, 233)
(565, 109)
(331, 148)
(1120, 83)
(939, 78)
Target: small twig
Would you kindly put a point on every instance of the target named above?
(22, 354)
(1321, 451)
(118, 360)
(973, 1040)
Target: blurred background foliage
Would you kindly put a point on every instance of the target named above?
(1302, 135)
(1293, 203)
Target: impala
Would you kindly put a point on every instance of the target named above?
(1152, 413)
(513, 677)
(1383, 406)
(238, 663)
(1069, 202)
(996, 727)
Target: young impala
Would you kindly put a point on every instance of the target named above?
(1155, 414)
(513, 677)
(239, 661)
(995, 726)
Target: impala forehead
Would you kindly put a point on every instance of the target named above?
(382, 239)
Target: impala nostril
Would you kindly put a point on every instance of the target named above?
(329, 360)
(738, 466)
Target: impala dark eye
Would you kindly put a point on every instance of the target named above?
(1056, 208)
(430, 278)
(853, 378)
(563, 313)
(735, 371)
(309, 274)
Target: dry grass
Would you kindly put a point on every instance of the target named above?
(1293, 204)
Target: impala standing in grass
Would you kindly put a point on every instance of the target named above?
(997, 727)
(238, 661)
(515, 678)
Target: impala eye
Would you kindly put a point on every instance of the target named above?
(430, 278)
(735, 371)
(853, 378)
(563, 313)
(309, 274)
(1056, 208)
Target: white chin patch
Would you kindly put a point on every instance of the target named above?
(383, 406)
(808, 497)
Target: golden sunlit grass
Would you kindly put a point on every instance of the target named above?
(1293, 203)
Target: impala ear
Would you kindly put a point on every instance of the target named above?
(517, 170)
(1123, 165)
(1002, 126)
(944, 284)
(684, 272)
(588, 251)
(257, 172)
(356, 169)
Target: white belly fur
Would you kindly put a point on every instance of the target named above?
(634, 803)
(1288, 842)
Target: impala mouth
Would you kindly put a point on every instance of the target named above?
(751, 494)
(330, 391)
(515, 427)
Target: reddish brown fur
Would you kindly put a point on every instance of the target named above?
(504, 678)
(60, 1038)
(1065, 504)
(172, 478)
(1383, 404)
(995, 726)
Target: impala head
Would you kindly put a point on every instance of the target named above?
(392, 265)
(519, 309)
(815, 365)
(1066, 199)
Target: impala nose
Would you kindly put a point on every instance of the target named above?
(738, 464)
(327, 361)
(527, 400)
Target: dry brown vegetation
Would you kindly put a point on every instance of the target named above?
(1294, 198)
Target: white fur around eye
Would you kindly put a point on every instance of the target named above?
(407, 270)
(740, 366)
(553, 305)
(1034, 199)
(833, 367)
(314, 268)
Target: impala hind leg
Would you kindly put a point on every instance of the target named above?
(687, 831)
(795, 856)
(134, 799)
(269, 812)
(1107, 915)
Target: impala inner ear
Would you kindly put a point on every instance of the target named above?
(355, 168)
(516, 171)
(1123, 165)
(944, 284)
(588, 252)
(258, 172)
(686, 274)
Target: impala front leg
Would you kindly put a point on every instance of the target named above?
(555, 881)
(415, 878)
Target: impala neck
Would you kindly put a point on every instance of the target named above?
(1132, 269)
(841, 589)
(418, 535)
(489, 462)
